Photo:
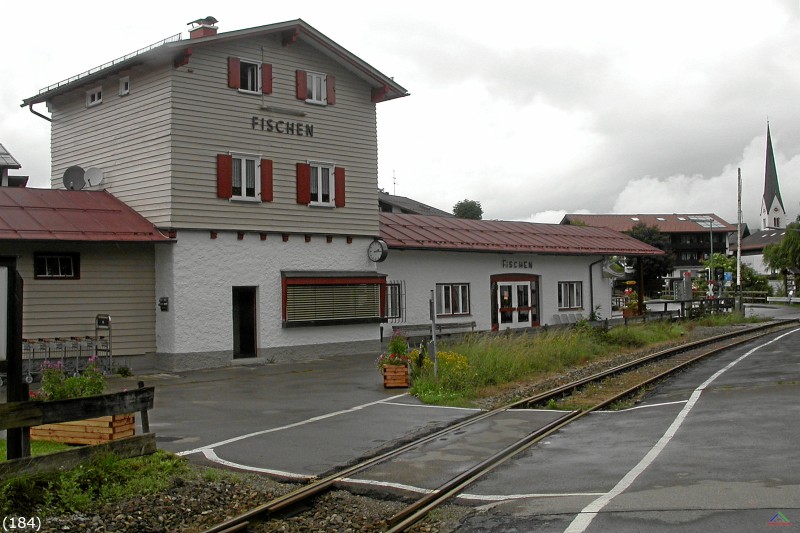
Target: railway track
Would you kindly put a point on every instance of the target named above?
(652, 368)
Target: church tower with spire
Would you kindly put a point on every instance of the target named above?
(773, 215)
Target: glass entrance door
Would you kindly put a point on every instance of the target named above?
(514, 307)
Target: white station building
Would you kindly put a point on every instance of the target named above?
(255, 153)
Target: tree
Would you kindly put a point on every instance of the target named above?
(468, 209)
(751, 280)
(657, 266)
(787, 253)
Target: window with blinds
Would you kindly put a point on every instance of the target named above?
(319, 301)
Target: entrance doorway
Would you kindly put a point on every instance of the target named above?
(515, 301)
(244, 322)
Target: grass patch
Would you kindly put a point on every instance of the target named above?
(481, 363)
(104, 478)
(38, 447)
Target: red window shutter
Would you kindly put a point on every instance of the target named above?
(303, 183)
(234, 75)
(330, 87)
(266, 180)
(338, 176)
(301, 84)
(224, 176)
(266, 78)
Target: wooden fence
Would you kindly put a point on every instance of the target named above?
(24, 415)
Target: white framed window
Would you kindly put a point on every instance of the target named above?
(245, 183)
(452, 299)
(316, 88)
(124, 85)
(570, 294)
(249, 76)
(58, 265)
(94, 96)
(322, 186)
(394, 300)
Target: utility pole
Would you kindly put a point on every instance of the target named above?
(739, 307)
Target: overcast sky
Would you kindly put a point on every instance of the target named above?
(534, 108)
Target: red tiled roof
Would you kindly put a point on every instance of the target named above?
(674, 223)
(422, 232)
(62, 215)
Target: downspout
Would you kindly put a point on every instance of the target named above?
(30, 107)
(591, 284)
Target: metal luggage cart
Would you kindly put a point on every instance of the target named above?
(102, 343)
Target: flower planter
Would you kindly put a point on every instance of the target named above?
(395, 376)
(89, 431)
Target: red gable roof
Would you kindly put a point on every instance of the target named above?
(62, 215)
(674, 223)
(422, 232)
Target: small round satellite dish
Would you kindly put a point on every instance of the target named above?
(73, 178)
(94, 177)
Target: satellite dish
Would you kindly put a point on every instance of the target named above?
(73, 178)
(94, 177)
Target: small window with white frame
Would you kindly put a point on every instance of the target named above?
(245, 179)
(94, 96)
(125, 85)
(452, 299)
(570, 295)
(316, 85)
(322, 185)
(249, 76)
(56, 265)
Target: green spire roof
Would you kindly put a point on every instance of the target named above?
(771, 187)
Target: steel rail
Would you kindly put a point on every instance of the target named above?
(316, 487)
(418, 510)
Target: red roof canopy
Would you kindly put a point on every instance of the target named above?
(422, 232)
(62, 215)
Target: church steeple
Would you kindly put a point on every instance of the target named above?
(773, 214)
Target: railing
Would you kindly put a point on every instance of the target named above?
(170, 39)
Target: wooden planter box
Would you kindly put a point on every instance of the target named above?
(395, 376)
(89, 431)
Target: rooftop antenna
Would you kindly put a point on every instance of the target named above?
(394, 184)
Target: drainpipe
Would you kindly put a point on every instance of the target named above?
(30, 107)
(591, 284)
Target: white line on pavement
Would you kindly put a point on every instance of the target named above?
(289, 426)
(587, 515)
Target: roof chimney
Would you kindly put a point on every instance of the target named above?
(202, 28)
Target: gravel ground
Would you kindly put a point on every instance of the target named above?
(202, 499)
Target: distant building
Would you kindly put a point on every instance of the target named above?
(7, 162)
(692, 237)
(389, 203)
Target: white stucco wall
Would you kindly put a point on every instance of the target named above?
(197, 274)
(422, 270)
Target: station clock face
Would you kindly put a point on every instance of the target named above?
(377, 251)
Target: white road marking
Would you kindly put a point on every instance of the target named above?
(588, 513)
(211, 456)
(648, 406)
(288, 426)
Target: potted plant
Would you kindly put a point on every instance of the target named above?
(393, 363)
(56, 385)
(631, 303)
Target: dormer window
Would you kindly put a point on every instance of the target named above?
(94, 97)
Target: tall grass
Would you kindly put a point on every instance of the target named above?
(486, 360)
